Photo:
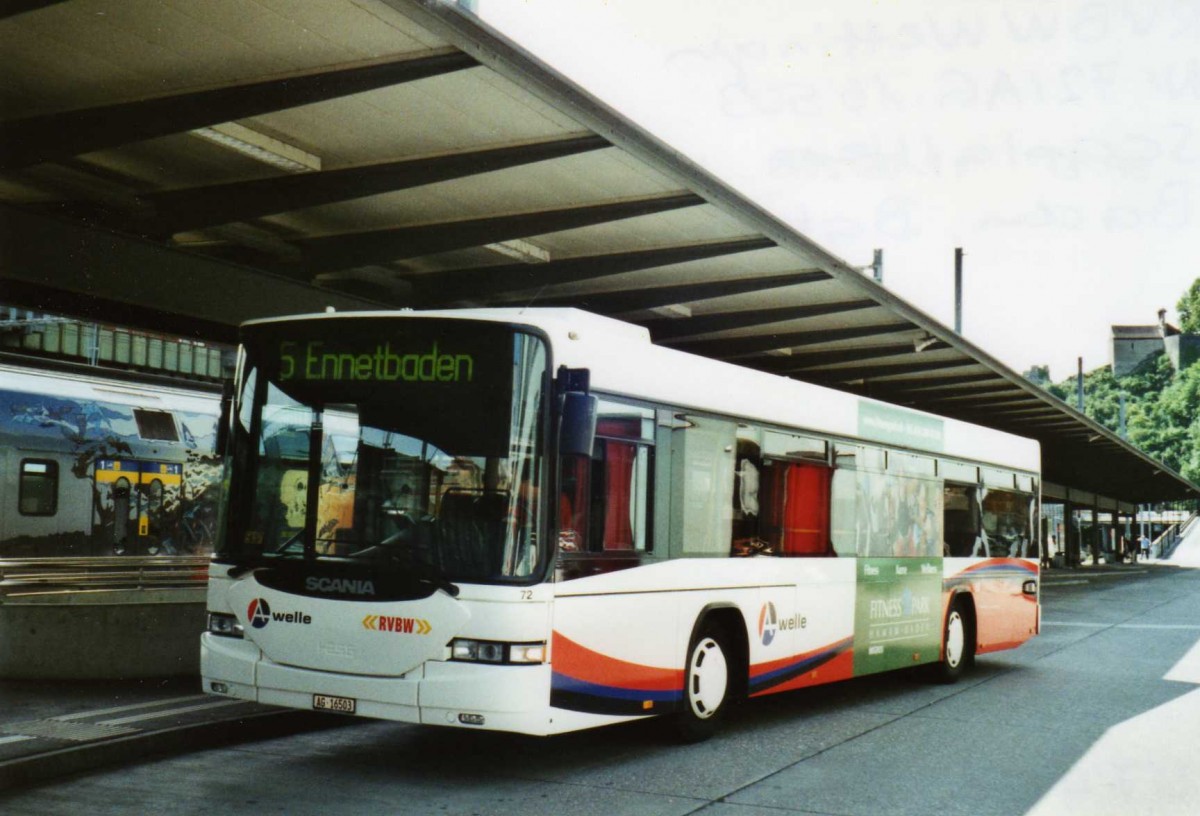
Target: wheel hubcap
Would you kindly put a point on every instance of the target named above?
(955, 639)
(708, 677)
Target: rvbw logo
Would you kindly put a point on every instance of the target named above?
(259, 613)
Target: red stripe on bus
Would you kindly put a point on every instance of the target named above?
(577, 661)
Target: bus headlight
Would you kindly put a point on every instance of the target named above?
(224, 625)
(491, 651)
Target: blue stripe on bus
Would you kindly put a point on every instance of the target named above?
(804, 664)
(562, 682)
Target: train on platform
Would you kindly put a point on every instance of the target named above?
(95, 466)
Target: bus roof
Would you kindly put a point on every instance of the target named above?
(623, 361)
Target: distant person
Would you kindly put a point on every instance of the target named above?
(1048, 551)
(1145, 542)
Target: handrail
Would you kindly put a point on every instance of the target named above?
(1163, 546)
(26, 576)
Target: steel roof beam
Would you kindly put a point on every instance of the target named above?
(984, 401)
(335, 252)
(795, 363)
(924, 385)
(651, 297)
(885, 370)
(1026, 412)
(664, 329)
(760, 343)
(57, 136)
(923, 390)
(57, 265)
(436, 288)
(180, 210)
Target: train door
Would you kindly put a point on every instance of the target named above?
(158, 507)
(114, 509)
(136, 507)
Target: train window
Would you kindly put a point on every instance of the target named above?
(38, 491)
(156, 425)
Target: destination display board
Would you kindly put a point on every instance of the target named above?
(446, 381)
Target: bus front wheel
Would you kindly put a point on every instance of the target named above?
(707, 684)
(958, 645)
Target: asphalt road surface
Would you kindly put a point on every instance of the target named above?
(1081, 720)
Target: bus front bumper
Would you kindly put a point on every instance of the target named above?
(459, 694)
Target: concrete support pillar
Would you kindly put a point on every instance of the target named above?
(1114, 533)
(1070, 543)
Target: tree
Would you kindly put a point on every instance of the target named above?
(1189, 309)
(1162, 405)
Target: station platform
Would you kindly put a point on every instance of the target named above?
(51, 729)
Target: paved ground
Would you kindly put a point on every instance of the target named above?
(48, 730)
(1096, 716)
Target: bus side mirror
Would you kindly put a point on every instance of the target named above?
(577, 433)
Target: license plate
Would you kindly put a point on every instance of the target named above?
(342, 705)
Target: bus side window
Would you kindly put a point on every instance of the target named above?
(703, 454)
(574, 500)
(620, 481)
(795, 504)
(1005, 523)
(960, 519)
(805, 508)
(748, 478)
(604, 500)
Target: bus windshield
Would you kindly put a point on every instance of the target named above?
(405, 446)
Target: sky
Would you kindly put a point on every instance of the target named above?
(1057, 143)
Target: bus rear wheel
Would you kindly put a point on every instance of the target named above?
(707, 685)
(958, 645)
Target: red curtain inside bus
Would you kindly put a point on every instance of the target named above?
(618, 460)
(806, 510)
(795, 508)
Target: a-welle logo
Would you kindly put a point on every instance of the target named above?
(259, 614)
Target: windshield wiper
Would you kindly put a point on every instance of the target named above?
(437, 579)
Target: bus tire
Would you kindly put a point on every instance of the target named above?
(958, 644)
(707, 684)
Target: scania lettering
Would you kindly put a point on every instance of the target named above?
(537, 521)
(342, 585)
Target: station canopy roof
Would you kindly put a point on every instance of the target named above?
(186, 166)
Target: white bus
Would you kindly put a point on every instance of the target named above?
(537, 521)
